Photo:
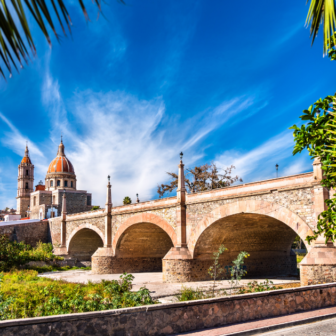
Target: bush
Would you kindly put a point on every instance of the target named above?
(95, 207)
(188, 293)
(14, 254)
(24, 294)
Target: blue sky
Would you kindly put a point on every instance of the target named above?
(221, 81)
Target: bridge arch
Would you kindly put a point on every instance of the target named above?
(257, 207)
(84, 240)
(144, 218)
(141, 243)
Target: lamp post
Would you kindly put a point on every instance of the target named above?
(138, 201)
(276, 168)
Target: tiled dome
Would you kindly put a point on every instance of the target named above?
(61, 164)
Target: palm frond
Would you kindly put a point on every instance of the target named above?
(322, 12)
(16, 40)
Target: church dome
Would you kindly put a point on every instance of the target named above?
(61, 164)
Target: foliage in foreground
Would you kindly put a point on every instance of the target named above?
(14, 254)
(318, 137)
(24, 294)
(16, 17)
(215, 270)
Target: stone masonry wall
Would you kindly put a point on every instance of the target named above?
(165, 319)
(168, 214)
(30, 233)
(136, 265)
(317, 274)
(22, 206)
(300, 201)
(76, 202)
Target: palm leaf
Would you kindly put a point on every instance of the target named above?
(16, 40)
(322, 12)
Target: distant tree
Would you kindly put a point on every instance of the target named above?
(202, 178)
(6, 209)
(127, 200)
(95, 207)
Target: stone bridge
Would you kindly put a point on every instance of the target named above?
(178, 235)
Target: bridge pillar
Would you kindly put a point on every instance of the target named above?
(102, 259)
(176, 264)
(62, 250)
(319, 265)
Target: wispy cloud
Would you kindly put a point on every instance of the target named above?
(259, 163)
(14, 140)
(130, 139)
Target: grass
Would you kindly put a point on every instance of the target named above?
(24, 294)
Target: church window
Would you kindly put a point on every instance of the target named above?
(34, 200)
(27, 186)
(65, 183)
(58, 183)
(71, 184)
(27, 172)
(88, 200)
(51, 183)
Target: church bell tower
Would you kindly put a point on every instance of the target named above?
(25, 184)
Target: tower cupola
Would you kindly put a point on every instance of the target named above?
(25, 183)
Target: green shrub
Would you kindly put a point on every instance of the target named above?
(188, 293)
(14, 254)
(95, 207)
(24, 294)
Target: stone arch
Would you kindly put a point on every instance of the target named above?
(84, 226)
(81, 235)
(141, 243)
(259, 207)
(144, 218)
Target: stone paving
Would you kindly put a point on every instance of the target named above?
(153, 281)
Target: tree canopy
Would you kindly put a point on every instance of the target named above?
(201, 178)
